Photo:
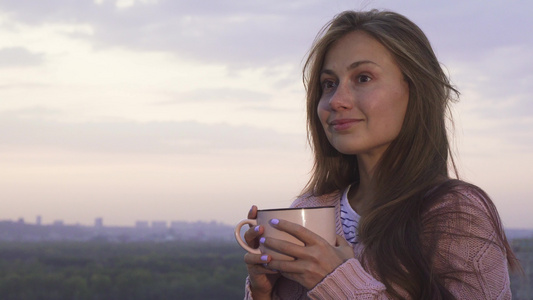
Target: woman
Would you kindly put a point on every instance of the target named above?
(377, 100)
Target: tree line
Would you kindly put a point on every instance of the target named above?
(102, 270)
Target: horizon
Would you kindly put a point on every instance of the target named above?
(158, 109)
(145, 222)
(149, 223)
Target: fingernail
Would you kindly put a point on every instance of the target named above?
(264, 257)
(262, 240)
(251, 208)
(274, 221)
(256, 229)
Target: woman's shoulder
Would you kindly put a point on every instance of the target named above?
(309, 199)
(456, 201)
(458, 194)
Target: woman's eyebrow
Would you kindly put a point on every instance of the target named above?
(352, 66)
(358, 63)
(328, 72)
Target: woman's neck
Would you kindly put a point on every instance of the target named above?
(361, 194)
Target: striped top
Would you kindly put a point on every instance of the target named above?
(349, 218)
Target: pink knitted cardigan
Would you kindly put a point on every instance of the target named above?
(485, 262)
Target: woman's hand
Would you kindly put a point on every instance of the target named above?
(262, 280)
(313, 261)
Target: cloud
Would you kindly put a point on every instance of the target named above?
(248, 34)
(496, 95)
(23, 85)
(220, 95)
(238, 32)
(484, 46)
(36, 112)
(28, 131)
(501, 80)
(19, 57)
(464, 29)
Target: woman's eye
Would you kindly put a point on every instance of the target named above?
(328, 85)
(363, 78)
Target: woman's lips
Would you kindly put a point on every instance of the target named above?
(343, 124)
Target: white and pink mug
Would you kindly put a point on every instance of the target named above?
(320, 220)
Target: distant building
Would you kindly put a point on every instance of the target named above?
(178, 224)
(141, 224)
(38, 221)
(159, 225)
(11, 230)
(20, 221)
(98, 222)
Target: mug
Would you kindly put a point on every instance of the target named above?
(320, 220)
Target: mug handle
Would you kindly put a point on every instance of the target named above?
(239, 239)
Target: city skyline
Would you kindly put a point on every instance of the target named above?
(99, 222)
(158, 109)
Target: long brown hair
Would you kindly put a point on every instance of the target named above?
(413, 165)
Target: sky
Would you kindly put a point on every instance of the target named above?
(163, 110)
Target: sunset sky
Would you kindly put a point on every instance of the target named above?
(165, 110)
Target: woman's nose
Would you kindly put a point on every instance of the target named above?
(342, 98)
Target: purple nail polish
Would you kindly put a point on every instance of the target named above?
(256, 229)
(274, 221)
(262, 240)
(264, 257)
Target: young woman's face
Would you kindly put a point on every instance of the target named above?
(364, 96)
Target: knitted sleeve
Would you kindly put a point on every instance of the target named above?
(468, 255)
